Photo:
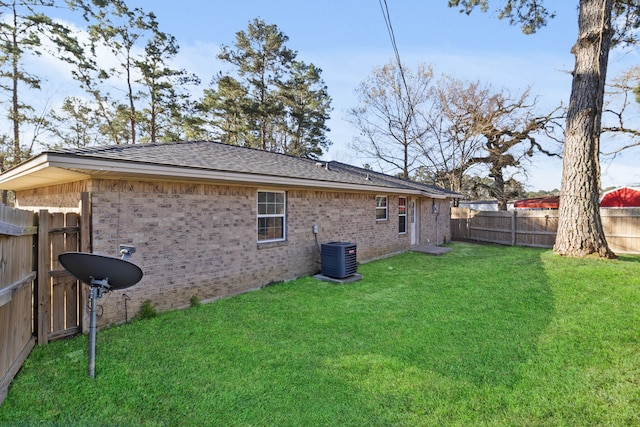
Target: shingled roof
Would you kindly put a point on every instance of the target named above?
(202, 161)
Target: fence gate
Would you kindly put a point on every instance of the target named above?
(61, 298)
(17, 276)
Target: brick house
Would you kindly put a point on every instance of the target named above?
(211, 220)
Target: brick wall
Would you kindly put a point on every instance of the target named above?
(435, 228)
(55, 198)
(200, 239)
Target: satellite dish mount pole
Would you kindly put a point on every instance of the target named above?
(97, 289)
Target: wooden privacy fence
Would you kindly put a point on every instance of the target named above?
(17, 276)
(39, 300)
(532, 227)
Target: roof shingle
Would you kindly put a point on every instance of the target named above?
(218, 157)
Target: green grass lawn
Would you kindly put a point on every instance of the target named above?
(484, 335)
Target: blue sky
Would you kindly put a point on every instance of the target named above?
(348, 38)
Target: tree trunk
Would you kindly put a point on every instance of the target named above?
(497, 189)
(580, 230)
(132, 105)
(15, 77)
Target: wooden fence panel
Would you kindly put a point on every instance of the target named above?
(17, 275)
(530, 227)
(493, 227)
(622, 228)
(536, 228)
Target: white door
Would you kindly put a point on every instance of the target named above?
(413, 221)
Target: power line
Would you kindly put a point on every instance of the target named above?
(387, 19)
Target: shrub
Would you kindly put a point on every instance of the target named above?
(194, 301)
(147, 311)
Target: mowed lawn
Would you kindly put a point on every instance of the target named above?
(483, 335)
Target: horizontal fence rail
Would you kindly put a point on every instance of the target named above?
(538, 227)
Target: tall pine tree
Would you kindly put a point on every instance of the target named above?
(27, 30)
(273, 102)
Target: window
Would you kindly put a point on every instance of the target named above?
(381, 208)
(271, 216)
(402, 215)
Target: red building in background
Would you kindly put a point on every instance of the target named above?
(623, 197)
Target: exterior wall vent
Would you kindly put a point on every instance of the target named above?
(339, 259)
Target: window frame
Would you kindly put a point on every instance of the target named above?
(402, 213)
(384, 208)
(282, 215)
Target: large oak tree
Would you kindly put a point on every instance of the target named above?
(439, 131)
(495, 129)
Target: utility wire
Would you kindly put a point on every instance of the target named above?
(387, 19)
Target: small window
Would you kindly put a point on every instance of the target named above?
(402, 215)
(381, 208)
(271, 216)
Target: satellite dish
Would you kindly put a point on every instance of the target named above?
(89, 268)
(102, 273)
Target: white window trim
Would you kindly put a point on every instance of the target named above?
(283, 216)
(406, 206)
(386, 209)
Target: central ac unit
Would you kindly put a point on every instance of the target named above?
(339, 259)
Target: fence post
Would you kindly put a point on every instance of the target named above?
(85, 246)
(513, 227)
(85, 222)
(44, 265)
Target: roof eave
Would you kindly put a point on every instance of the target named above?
(56, 168)
(37, 172)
